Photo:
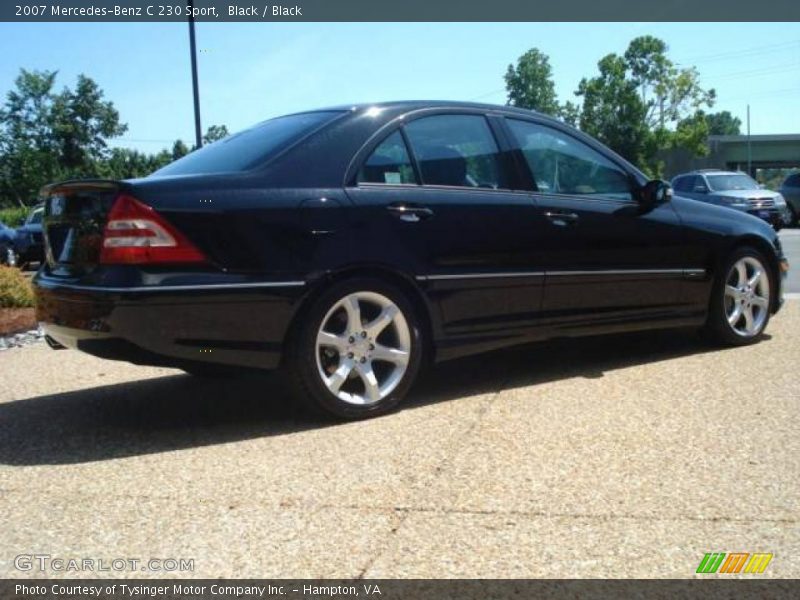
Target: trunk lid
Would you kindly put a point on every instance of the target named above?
(75, 217)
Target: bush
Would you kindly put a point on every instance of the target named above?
(13, 217)
(15, 289)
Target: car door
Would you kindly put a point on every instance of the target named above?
(434, 198)
(606, 257)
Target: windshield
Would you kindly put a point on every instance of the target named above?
(36, 217)
(739, 181)
(249, 148)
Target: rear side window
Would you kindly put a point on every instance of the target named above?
(792, 180)
(685, 184)
(389, 163)
(249, 148)
(456, 150)
(561, 164)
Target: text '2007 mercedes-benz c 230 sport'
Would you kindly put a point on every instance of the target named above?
(348, 246)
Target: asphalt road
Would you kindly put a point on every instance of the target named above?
(625, 456)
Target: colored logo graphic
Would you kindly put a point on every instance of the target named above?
(735, 562)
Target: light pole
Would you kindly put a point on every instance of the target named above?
(749, 149)
(198, 132)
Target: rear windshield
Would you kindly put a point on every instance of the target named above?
(249, 148)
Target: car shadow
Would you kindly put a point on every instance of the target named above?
(180, 411)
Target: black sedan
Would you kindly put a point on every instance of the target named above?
(351, 245)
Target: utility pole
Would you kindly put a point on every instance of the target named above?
(198, 132)
(749, 150)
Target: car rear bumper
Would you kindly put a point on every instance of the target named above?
(234, 324)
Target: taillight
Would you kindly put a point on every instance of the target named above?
(136, 234)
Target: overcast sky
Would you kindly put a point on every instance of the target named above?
(253, 71)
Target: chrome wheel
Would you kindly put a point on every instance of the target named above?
(746, 298)
(363, 348)
(10, 257)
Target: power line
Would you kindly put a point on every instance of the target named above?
(740, 53)
(754, 72)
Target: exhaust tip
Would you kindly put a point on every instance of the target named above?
(54, 344)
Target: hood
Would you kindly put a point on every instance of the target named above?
(747, 194)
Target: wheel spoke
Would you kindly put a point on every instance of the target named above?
(753, 281)
(392, 355)
(759, 301)
(741, 272)
(371, 387)
(749, 322)
(339, 376)
(733, 292)
(374, 328)
(353, 309)
(734, 317)
(331, 340)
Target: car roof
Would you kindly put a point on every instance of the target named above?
(418, 104)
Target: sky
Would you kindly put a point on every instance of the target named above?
(249, 72)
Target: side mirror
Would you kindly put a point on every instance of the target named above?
(655, 192)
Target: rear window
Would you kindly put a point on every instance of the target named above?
(249, 148)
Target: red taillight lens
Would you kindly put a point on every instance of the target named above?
(137, 234)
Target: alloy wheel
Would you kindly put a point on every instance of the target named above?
(746, 299)
(363, 348)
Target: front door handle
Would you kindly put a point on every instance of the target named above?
(410, 213)
(561, 218)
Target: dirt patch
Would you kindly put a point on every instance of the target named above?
(15, 320)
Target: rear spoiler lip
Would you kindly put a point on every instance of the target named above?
(84, 185)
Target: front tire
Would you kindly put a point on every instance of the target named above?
(741, 299)
(357, 350)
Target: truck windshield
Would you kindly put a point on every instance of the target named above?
(738, 181)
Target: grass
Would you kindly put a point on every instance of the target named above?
(13, 217)
(15, 289)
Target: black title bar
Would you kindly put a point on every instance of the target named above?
(154, 11)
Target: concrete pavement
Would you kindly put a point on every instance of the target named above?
(624, 456)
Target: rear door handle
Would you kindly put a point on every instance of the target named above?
(560, 218)
(410, 213)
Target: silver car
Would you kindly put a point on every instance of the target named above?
(735, 190)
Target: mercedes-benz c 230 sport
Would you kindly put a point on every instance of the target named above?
(349, 246)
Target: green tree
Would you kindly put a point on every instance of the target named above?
(613, 111)
(125, 163)
(179, 150)
(530, 83)
(47, 135)
(723, 123)
(641, 103)
(215, 133)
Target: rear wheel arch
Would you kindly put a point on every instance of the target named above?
(423, 308)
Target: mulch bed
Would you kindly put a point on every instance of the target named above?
(16, 320)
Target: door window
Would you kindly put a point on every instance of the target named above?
(456, 150)
(560, 164)
(388, 163)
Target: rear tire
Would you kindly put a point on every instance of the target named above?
(741, 299)
(356, 351)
